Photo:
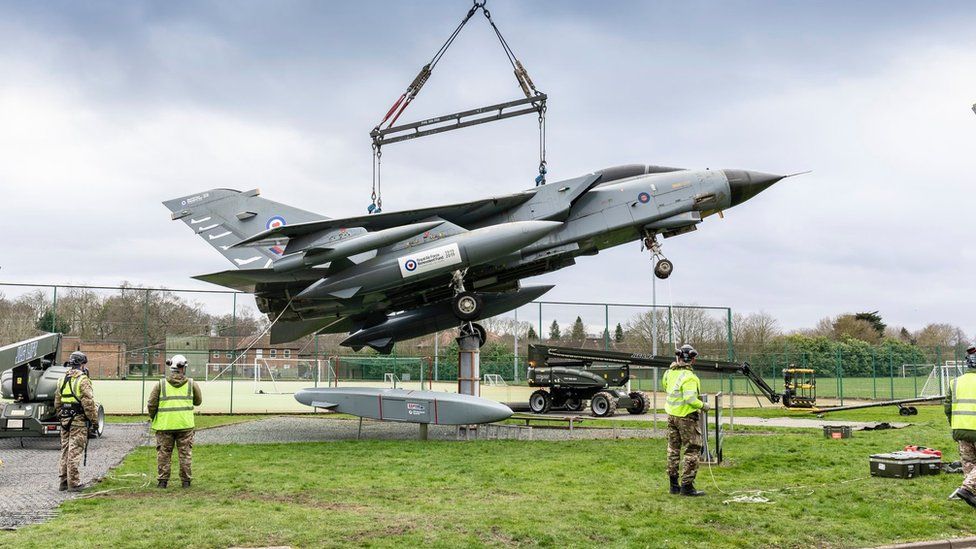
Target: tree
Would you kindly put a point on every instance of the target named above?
(578, 333)
(850, 327)
(554, 333)
(875, 319)
(530, 334)
(618, 333)
(945, 336)
(49, 323)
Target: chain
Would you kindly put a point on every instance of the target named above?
(376, 198)
(541, 178)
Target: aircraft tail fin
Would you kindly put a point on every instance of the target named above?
(224, 217)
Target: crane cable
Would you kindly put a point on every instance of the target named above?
(407, 97)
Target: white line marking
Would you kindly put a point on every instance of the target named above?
(246, 261)
(216, 236)
(225, 247)
(208, 227)
(268, 264)
(195, 221)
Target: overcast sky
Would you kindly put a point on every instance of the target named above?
(109, 108)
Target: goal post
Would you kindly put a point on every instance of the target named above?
(391, 371)
(494, 380)
(267, 372)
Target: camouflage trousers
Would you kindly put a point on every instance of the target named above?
(165, 440)
(684, 431)
(967, 454)
(73, 441)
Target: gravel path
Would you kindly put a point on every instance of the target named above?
(301, 429)
(29, 476)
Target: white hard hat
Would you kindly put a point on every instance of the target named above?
(178, 361)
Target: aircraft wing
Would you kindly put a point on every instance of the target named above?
(246, 280)
(463, 215)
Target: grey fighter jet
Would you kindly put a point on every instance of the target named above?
(392, 276)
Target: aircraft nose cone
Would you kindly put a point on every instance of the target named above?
(746, 184)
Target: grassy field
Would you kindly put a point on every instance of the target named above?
(507, 493)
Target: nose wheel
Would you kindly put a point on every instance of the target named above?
(465, 305)
(662, 266)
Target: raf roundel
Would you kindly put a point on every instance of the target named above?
(275, 222)
(643, 198)
(410, 265)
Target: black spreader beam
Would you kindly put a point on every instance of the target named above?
(455, 121)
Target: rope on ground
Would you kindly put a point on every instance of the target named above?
(759, 495)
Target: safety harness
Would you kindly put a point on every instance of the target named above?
(68, 412)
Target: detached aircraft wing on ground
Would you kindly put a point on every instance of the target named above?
(393, 276)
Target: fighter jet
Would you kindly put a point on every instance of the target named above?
(393, 276)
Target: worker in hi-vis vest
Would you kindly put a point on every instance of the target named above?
(682, 405)
(170, 408)
(960, 407)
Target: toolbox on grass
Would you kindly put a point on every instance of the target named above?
(894, 465)
(837, 431)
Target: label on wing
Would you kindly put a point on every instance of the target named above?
(429, 260)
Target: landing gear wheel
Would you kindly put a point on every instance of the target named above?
(540, 402)
(574, 404)
(97, 428)
(467, 306)
(641, 403)
(912, 411)
(473, 328)
(904, 411)
(482, 334)
(603, 404)
(663, 268)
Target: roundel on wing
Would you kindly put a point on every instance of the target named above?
(275, 222)
(410, 265)
(643, 198)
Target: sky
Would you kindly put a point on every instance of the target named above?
(109, 108)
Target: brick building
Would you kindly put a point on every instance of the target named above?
(106, 360)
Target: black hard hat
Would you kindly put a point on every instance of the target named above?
(686, 353)
(77, 359)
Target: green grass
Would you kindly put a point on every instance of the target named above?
(551, 494)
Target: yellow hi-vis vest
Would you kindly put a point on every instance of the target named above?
(69, 388)
(682, 387)
(175, 411)
(964, 402)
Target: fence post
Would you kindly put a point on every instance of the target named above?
(874, 374)
(233, 354)
(840, 375)
(606, 327)
(891, 374)
(728, 326)
(540, 322)
(515, 364)
(54, 313)
(670, 330)
(437, 353)
(145, 350)
(317, 373)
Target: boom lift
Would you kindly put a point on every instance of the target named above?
(568, 376)
(31, 377)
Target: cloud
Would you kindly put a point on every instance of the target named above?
(106, 111)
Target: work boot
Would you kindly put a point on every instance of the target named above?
(63, 486)
(675, 487)
(689, 490)
(77, 488)
(967, 496)
(186, 484)
(162, 484)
